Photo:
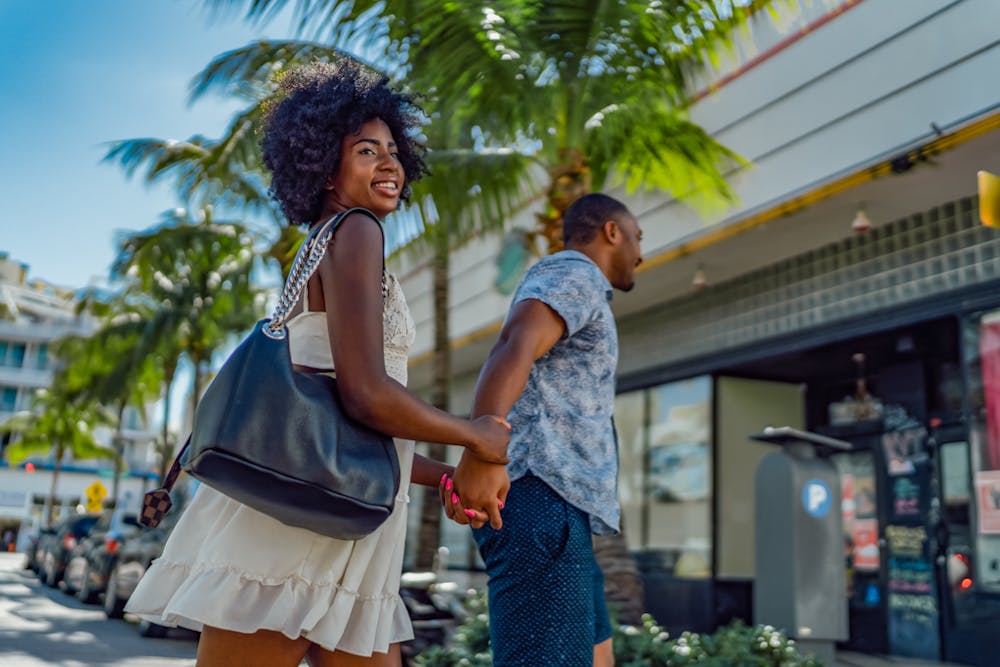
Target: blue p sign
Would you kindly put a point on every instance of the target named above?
(816, 498)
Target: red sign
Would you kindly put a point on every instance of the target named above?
(864, 535)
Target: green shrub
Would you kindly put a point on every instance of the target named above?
(647, 646)
(735, 644)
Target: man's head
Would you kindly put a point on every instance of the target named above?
(602, 228)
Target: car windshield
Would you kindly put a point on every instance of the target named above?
(83, 525)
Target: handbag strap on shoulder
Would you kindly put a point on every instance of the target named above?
(306, 262)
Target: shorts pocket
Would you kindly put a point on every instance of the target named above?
(552, 535)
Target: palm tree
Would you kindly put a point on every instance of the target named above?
(57, 423)
(600, 86)
(106, 368)
(193, 277)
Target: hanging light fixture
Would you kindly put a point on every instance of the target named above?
(700, 280)
(862, 223)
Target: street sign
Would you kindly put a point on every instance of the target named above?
(95, 493)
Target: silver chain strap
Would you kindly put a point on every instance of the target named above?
(306, 261)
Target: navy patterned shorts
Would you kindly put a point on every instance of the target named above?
(546, 590)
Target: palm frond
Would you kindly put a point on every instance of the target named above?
(226, 171)
(477, 190)
(652, 145)
(252, 68)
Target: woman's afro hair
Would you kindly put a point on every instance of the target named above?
(315, 108)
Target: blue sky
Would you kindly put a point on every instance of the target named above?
(77, 74)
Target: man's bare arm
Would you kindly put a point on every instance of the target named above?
(530, 331)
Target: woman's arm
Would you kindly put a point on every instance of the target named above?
(351, 278)
(428, 472)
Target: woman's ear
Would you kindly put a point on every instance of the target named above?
(329, 183)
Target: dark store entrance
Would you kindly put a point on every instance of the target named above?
(898, 397)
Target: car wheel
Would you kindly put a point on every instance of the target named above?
(147, 629)
(51, 575)
(85, 593)
(114, 606)
(69, 582)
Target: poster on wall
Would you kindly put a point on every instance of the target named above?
(904, 450)
(988, 501)
(864, 545)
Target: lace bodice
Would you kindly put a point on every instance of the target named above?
(309, 343)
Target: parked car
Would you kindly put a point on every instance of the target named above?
(134, 558)
(91, 561)
(32, 548)
(54, 549)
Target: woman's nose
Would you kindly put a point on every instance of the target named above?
(387, 162)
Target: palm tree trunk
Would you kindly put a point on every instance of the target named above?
(55, 481)
(569, 180)
(623, 587)
(199, 377)
(166, 451)
(119, 445)
(429, 534)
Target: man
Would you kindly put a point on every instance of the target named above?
(553, 372)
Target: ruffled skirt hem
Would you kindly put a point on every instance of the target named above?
(221, 596)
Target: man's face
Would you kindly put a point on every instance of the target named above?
(627, 254)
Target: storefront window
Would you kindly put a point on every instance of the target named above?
(664, 440)
(982, 346)
(630, 423)
(678, 474)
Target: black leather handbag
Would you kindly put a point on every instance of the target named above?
(279, 441)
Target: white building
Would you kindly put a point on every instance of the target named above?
(33, 314)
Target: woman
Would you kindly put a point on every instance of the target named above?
(263, 593)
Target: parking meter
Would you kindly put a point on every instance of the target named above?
(800, 584)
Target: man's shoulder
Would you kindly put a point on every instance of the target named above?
(566, 264)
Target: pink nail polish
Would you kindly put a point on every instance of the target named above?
(454, 498)
(443, 478)
(499, 503)
(449, 484)
(470, 514)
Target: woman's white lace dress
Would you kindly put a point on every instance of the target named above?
(229, 566)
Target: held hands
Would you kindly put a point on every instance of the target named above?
(478, 484)
(489, 443)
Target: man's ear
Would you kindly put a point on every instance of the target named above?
(611, 232)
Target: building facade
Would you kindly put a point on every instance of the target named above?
(852, 292)
(34, 314)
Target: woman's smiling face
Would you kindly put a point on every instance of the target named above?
(370, 174)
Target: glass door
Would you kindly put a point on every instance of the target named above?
(863, 551)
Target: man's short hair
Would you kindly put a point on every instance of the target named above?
(587, 215)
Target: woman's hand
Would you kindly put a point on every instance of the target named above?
(489, 442)
(476, 484)
(453, 507)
